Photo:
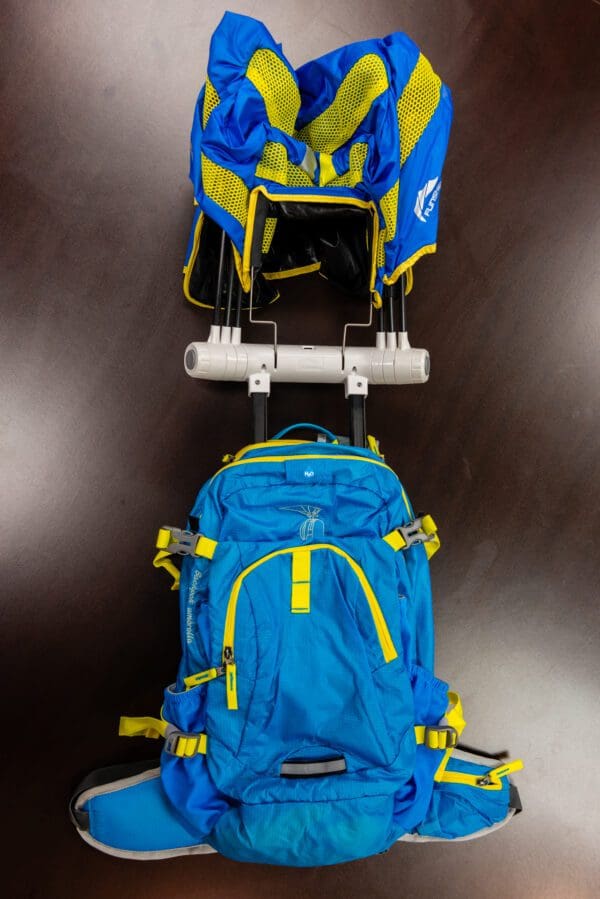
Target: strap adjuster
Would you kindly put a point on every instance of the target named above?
(176, 541)
(184, 745)
(413, 533)
(440, 736)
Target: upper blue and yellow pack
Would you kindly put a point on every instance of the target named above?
(305, 725)
(358, 136)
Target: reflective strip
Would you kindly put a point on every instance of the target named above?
(492, 780)
(313, 769)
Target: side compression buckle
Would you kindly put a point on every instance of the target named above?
(440, 736)
(422, 530)
(176, 541)
(185, 745)
(172, 541)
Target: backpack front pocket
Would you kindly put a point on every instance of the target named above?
(303, 643)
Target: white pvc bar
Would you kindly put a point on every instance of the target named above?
(218, 361)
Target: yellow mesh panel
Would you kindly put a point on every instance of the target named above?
(275, 166)
(365, 81)
(297, 177)
(225, 189)
(389, 208)
(273, 163)
(274, 82)
(268, 233)
(356, 162)
(211, 99)
(416, 105)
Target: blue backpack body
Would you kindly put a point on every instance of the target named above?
(306, 726)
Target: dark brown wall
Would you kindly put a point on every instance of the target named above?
(104, 438)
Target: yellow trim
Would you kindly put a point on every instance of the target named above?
(303, 198)
(406, 503)
(202, 677)
(475, 780)
(302, 456)
(187, 269)
(408, 263)
(292, 272)
(383, 634)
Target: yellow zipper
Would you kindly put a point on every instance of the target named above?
(385, 639)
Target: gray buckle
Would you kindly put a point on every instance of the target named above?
(412, 533)
(451, 740)
(171, 740)
(183, 543)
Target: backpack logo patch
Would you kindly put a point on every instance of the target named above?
(313, 526)
(426, 199)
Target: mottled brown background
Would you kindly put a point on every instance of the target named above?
(104, 437)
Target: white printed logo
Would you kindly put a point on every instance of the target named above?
(312, 524)
(429, 192)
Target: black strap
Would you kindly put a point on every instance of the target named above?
(99, 778)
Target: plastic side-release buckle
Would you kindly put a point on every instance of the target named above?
(412, 533)
(177, 541)
(183, 745)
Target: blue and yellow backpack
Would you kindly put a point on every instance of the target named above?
(306, 725)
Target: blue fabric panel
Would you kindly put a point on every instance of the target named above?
(139, 818)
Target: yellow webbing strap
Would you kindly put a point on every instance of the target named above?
(492, 780)
(202, 677)
(453, 718)
(162, 559)
(300, 581)
(428, 528)
(184, 745)
(204, 548)
(153, 728)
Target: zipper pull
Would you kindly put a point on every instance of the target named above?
(230, 678)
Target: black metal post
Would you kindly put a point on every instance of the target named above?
(358, 420)
(220, 278)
